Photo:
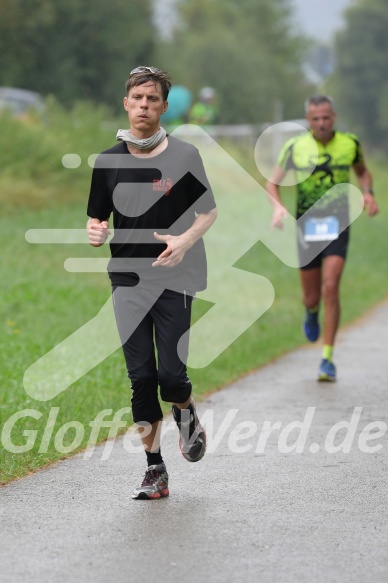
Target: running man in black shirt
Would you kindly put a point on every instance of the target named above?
(156, 188)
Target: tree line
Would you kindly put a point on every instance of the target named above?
(360, 80)
(72, 49)
(247, 50)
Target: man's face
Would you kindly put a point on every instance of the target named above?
(321, 120)
(145, 104)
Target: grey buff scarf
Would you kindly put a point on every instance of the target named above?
(146, 144)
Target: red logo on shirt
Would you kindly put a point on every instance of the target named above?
(162, 186)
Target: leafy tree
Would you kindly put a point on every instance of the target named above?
(245, 50)
(74, 49)
(361, 79)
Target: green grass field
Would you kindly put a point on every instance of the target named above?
(42, 304)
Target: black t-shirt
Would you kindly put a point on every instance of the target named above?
(163, 193)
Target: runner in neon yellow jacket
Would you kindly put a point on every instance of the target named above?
(321, 160)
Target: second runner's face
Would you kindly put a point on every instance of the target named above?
(321, 120)
(145, 104)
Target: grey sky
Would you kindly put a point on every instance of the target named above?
(320, 19)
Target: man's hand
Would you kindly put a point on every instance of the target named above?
(98, 232)
(176, 249)
(279, 214)
(370, 204)
(178, 245)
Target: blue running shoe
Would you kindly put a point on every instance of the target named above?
(327, 371)
(311, 326)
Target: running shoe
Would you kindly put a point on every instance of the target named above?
(192, 436)
(311, 326)
(154, 484)
(327, 371)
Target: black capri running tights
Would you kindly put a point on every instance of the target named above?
(148, 319)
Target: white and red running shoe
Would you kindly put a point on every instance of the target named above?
(154, 484)
(192, 436)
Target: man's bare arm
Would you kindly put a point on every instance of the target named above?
(365, 181)
(273, 190)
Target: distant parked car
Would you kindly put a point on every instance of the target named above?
(20, 102)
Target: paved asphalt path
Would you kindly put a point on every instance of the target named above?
(262, 515)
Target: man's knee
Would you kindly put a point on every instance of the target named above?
(145, 404)
(141, 381)
(174, 388)
(330, 290)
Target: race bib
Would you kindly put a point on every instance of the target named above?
(321, 229)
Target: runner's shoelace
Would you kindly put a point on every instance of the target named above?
(150, 477)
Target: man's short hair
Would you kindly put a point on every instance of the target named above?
(318, 100)
(141, 75)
